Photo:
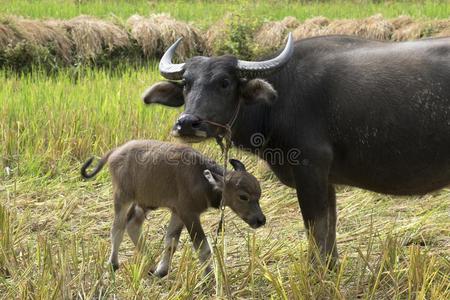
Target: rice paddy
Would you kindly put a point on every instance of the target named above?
(54, 227)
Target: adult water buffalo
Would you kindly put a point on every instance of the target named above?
(370, 114)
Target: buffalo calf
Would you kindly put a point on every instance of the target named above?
(150, 174)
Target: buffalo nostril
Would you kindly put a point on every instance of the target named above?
(188, 121)
(196, 124)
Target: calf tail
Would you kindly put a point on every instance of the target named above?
(97, 169)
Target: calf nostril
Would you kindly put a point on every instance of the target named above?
(261, 221)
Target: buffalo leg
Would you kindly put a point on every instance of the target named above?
(136, 217)
(170, 245)
(199, 240)
(317, 201)
(121, 206)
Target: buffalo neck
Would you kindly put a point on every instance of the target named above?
(251, 131)
(254, 128)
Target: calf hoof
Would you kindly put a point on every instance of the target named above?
(114, 266)
(208, 271)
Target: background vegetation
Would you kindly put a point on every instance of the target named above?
(246, 29)
(205, 13)
(54, 227)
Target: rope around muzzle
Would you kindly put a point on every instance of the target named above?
(225, 149)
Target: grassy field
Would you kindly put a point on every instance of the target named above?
(204, 13)
(54, 227)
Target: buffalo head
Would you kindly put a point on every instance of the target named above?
(212, 90)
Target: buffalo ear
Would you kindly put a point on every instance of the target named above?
(215, 180)
(167, 93)
(258, 91)
(237, 165)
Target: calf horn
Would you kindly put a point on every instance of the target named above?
(247, 69)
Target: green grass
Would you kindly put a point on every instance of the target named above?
(74, 114)
(206, 12)
(54, 227)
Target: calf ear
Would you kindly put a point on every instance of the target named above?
(258, 91)
(215, 180)
(237, 165)
(167, 93)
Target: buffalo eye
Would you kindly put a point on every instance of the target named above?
(243, 197)
(225, 83)
(187, 83)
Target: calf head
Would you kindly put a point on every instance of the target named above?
(212, 90)
(241, 192)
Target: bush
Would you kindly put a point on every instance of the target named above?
(24, 55)
(233, 35)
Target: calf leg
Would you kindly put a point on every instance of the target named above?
(136, 217)
(199, 240)
(317, 201)
(170, 245)
(121, 205)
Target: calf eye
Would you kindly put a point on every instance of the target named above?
(243, 197)
(225, 83)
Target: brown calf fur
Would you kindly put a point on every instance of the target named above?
(148, 174)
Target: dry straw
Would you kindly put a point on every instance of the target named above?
(272, 35)
(40, 34)
(145, 32)
(157, 32)
(311, 27)
(347, 27)
(374, 27)
(87, 38)
(444, 33)
(407, 29)
(171, 30)
(401, 21)
(441, 28)
(92, 36)
(7, 36)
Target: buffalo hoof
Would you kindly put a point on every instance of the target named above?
(158, 273)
